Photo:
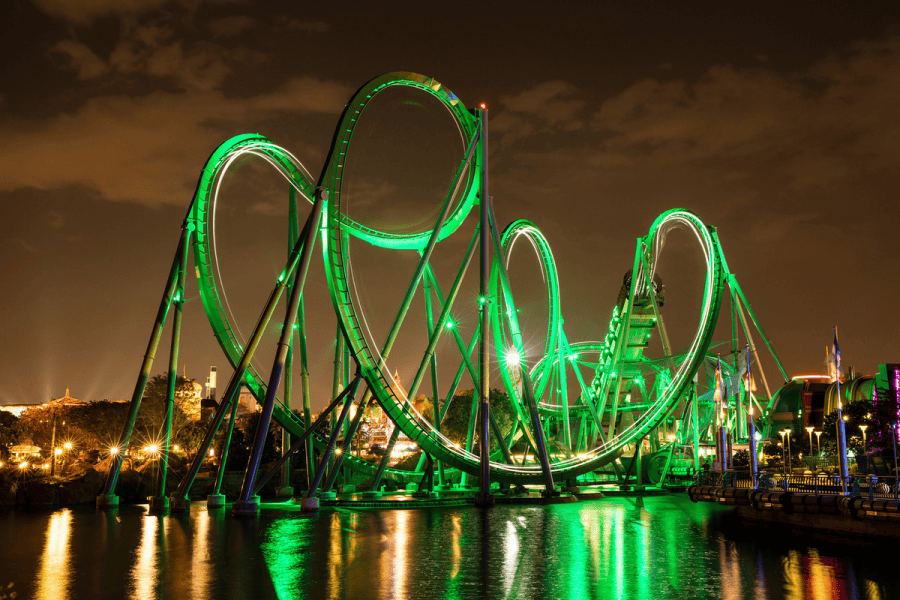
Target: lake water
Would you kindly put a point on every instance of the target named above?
(660, 547)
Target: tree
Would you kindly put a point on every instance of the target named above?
(98, 424)
(9, 433)
(456, 422)
(151, 416)
(855, 414)
(272, 446)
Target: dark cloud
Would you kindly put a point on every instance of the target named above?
(306, 26)
(783, 138)
(85, 11)
(81, 59)
(831, 131)
(229, 26)
(144, 149)
(545, 108)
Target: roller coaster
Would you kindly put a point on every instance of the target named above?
(578, 408)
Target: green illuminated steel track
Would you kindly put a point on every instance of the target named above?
(559, 362)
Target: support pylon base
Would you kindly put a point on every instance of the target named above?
(284, 492)
(107, 501)
(245, 507)
(177, 504)
(484, 499)
(308, 504)
(215, 501)
(158, 504)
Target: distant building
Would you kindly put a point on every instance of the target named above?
(66, 401)
(247, 403)
(17, 409)
(807, 399)
(24, 452)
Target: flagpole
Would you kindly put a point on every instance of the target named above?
(754, 466)
(720, 417)
(841, 432)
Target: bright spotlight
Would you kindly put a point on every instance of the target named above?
(68, 445)
(512, 357)
(114, 450)
(153, 449)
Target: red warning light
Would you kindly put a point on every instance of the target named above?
(483, 105)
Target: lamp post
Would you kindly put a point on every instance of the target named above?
(783, 461)
(809, 430)
(818, 442)
(754, 467)
(863, 429)
(894, 439)
(790, 462)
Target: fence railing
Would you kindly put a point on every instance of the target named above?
(871, 486)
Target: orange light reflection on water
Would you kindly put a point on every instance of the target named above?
(145, 572)
(53, 580)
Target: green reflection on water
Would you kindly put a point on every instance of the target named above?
(286, 556)
(613, 548)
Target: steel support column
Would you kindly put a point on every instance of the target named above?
(485, 498)
(108, 497)
(244, 504)
(159, 501)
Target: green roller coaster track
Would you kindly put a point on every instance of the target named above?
(584, 401)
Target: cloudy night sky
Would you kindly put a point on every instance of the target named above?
(777, 123)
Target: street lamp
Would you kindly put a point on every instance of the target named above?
(863, 429)
(894, 438)
(783, 463)
(788, 432)
(809, 430)
(819, 443)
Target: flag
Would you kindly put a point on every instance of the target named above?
(837, 367)
(837, 354)
(749, 387)
(718, 394)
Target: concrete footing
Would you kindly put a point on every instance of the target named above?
(308, 504)
(107, 501)
(177, 504)
(284, 492)
(158, 504)
(215, 501)
(328, 496)
(371, 494)
(245, 507)
(484, 499)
